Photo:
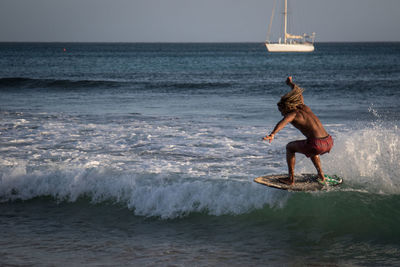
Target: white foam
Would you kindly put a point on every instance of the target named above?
(169, 168)
(147, 195)
(157, 168)
(368, 158)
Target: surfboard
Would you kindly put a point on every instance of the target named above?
(302, 182)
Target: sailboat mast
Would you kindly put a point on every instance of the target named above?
(285, 21)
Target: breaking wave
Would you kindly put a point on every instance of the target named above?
(170, 168)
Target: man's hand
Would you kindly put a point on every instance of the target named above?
(289, 80)
(269, 138)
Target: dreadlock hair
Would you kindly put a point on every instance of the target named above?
(291, 100)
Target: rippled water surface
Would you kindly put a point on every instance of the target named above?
(135, 154)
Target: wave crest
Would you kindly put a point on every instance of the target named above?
(147, 195)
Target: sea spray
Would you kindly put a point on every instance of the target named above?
(367, 157)
(373, 157)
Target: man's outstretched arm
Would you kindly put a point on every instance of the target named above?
(280, 125)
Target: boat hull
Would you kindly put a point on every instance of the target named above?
(289, 47)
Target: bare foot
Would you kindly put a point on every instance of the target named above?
(288, 181)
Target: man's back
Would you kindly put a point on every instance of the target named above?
(308, 123)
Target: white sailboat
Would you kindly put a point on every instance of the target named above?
(291, 42)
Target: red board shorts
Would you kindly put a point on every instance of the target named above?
(316, 146)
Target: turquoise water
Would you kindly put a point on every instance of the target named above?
(133, 154)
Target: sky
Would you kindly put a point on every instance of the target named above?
(195, 20)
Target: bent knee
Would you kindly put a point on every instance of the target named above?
(291, 147)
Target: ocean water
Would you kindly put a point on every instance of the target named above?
(145, 154)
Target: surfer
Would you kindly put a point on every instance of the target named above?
(318, 141)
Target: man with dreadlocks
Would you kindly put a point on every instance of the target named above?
(318, 141)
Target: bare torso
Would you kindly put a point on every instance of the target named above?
(307, 123)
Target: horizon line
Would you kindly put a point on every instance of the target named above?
(184, 42)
